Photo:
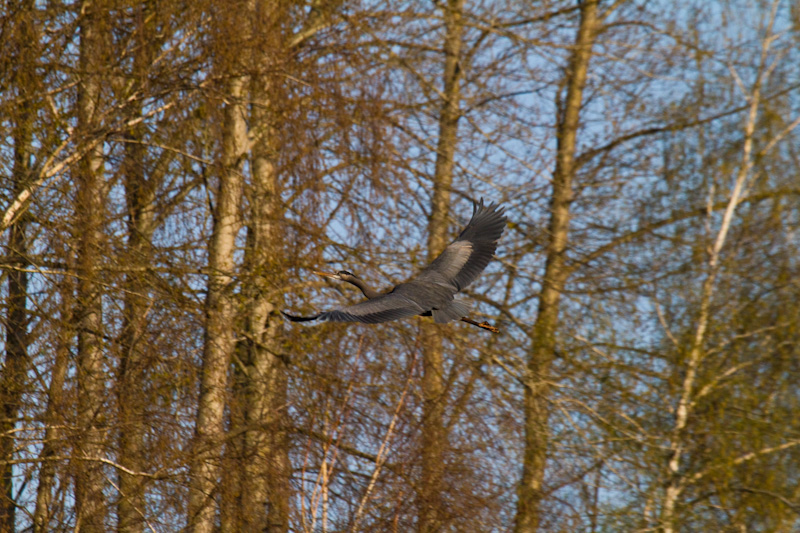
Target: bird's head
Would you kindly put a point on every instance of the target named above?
(342, 275)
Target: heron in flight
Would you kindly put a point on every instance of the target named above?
(432, 292)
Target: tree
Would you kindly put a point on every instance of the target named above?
(16, 361)
(261, 461)
(693, 388)
(432, 515)
(89, 220)
(543, 340)
(220, 340)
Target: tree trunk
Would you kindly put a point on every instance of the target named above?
(13, 382)
(140, 192)
(555, 276)
(265, 483)
(133, 362)
(219, 342)
(261, 391)
(434, 436)
(53, 418)
(89, 475)
(15, 364)
(15, 367)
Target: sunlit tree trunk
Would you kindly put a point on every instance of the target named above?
(434, 436)
(89, 474)
(220, 341)
(544, 330)
(266, 470)
(262, 392)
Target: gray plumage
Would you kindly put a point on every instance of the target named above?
(433, 290)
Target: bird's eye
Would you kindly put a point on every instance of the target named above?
(344, 273)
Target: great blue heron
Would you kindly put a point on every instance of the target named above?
(432, 291)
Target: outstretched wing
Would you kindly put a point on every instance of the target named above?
(384, 308)
(406, 300)
(466, 257)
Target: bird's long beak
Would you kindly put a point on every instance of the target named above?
(325, 274)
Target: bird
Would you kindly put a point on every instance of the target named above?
(433, 291)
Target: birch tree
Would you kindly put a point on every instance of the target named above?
(219, 340)
(693, 389)
(89, 208)
(259, 480)
(259, 388)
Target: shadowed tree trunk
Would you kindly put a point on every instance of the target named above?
(89, 475)
(263, 462)
(264, 502)
(133, 362)
(15, 363)
(53, 416)
(140, 192)
(543, 344)
(434, 436)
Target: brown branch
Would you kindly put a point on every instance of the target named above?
(587, 156)
(676, 217)
(742, 459)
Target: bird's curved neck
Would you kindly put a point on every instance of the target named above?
(368, 292)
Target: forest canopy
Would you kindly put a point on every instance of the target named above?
(172, 174)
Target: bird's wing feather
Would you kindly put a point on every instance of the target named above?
(381, 309)
(466, 257)
(295, 318)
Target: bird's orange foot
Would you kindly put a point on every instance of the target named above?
(486, 325)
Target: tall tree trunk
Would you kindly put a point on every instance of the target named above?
(434, 435)
(265, 483)
(89, 476)
(262, 391)
(543, 343)
(15, 367)
(133, 362)
(219, 342)
(15, 364)
(140, 195)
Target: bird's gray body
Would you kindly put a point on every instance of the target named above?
(408, 299)
(434, 289)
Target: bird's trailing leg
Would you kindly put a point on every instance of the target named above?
(483, 325)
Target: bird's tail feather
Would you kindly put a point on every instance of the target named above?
(453, 311)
